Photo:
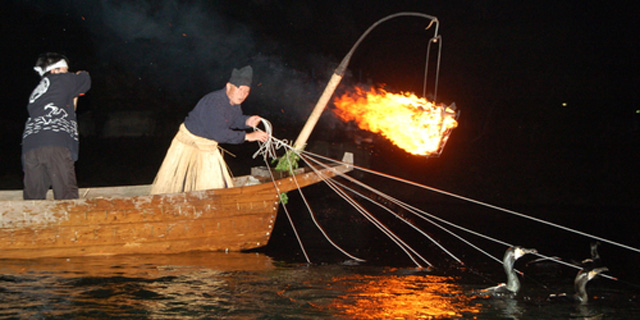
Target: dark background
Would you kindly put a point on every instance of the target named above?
(548, 91)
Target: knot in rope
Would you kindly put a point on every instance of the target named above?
(268, 148)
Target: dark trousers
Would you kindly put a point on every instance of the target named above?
(47, 167)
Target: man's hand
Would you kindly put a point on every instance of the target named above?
(256, 136)
(253, 121)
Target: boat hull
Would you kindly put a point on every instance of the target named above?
(232, 219)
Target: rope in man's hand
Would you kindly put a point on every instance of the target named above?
(268, 148)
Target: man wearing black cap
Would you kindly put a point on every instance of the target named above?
(193, 161)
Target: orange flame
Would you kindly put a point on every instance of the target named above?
(411, 123)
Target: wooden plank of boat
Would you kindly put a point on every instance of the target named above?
(127, 220)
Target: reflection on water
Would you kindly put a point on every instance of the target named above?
(253, 286)
(392, 296)
(145, 287)
(146, 266)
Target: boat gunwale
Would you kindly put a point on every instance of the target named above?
(7, 196)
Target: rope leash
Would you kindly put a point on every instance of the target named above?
(268, 148)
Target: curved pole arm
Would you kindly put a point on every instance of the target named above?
(338, 74)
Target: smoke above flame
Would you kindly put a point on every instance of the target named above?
(414, 124)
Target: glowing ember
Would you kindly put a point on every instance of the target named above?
(411, 123)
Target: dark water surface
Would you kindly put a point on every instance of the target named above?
(255, 286)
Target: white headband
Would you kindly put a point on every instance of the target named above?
(60, 64)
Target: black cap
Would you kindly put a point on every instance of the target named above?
(241, 77)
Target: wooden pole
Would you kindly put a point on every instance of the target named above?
(317, 111)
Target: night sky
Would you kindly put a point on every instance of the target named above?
(548, 91)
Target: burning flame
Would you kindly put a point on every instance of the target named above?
(411, 123)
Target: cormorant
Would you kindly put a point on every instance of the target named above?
(580, 285)
(512, 286)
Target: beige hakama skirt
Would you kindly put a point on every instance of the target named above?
(192, 163)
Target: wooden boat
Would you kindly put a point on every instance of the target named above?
(127, 220)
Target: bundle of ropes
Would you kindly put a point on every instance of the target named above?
(353, 196)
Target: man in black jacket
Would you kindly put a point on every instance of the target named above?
(194, 161)
(50, 138)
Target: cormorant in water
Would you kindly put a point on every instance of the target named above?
(512, 286)
(580, 285)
